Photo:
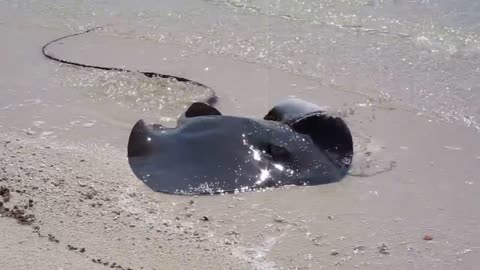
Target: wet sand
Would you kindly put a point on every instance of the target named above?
(73, 202)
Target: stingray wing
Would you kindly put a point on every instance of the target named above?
(198, 109)
(330, 134)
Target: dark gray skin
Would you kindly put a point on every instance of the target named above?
(207, 153)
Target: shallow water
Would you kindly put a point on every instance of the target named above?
(418, 55)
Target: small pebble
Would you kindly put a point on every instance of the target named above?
(427, 237)
(359, 249)
(334, 253)
(383, 249)
(90, 124)
(81, 184)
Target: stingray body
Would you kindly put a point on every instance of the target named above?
(207, 153)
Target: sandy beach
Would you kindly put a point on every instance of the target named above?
(68, 199)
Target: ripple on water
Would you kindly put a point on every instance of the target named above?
(369, 158)
(155, 96)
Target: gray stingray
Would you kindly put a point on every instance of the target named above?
(296, 143)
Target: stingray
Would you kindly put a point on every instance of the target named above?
(296, 143)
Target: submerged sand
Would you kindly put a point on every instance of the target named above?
(70, 201)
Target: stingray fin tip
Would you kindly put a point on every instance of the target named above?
(138, 143)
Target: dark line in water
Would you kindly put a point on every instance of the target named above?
(212, 99)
